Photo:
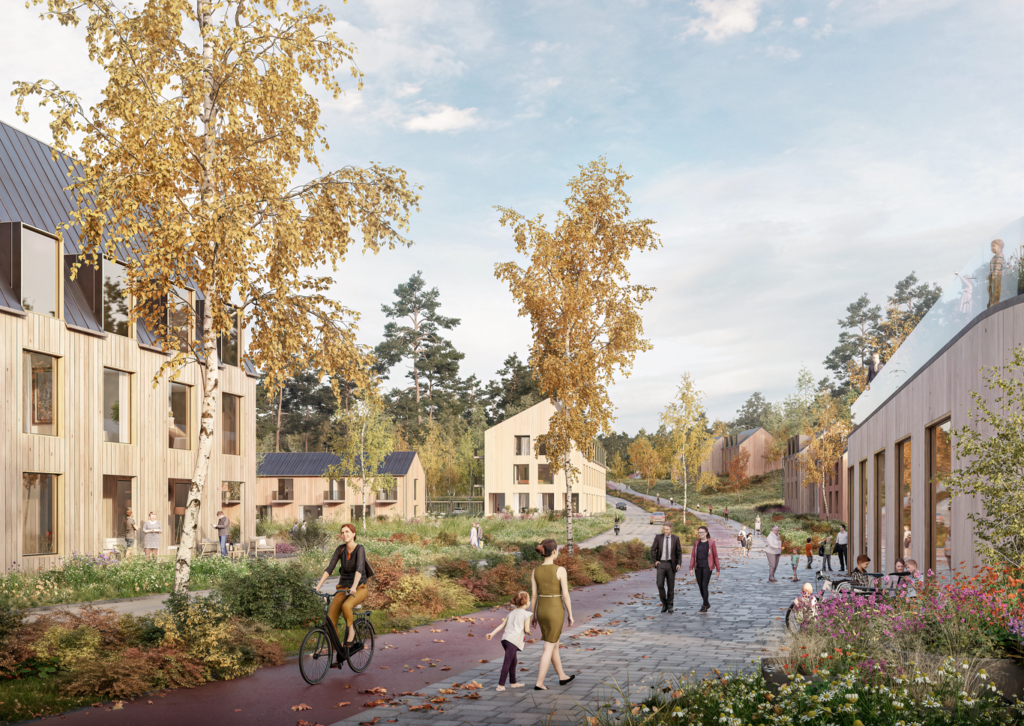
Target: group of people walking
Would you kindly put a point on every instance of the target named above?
(667, 553)
(151, 531)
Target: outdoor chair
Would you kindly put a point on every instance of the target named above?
(263, 544)
(207, 548)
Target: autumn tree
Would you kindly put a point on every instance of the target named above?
(186, 169)
(827, 433)
(645, 459)
(583, 311)
(738, 468)
(685, 418)
(368, 440)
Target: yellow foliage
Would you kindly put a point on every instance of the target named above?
(69, 645)
(430, 595)
(204, 632)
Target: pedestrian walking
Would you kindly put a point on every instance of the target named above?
(742, 536)
(151, 536)
(129, 530)
(795, 561)
(826, 554)
(671, 502)
(704, 559)
(757, 525)
(809, 551)
(841, 540)
(551, 604)
(750, 542)
(474, 536)
(223, 527)
(667, 553)
(726, 513)
(711, 509)
(773, 550)
(516, 625)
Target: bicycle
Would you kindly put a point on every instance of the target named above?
(321, 642)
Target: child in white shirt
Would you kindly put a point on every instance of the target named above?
(516, 625)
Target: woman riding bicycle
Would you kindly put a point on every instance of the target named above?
(352, 578)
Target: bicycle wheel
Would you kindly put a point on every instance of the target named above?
(359, 658)
(796, 617)
(315, 656)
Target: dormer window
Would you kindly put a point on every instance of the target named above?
(115, 300)
(30, 269)
(227, 343)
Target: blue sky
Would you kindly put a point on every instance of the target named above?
(794, 154)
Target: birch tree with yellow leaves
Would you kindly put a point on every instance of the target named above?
(685, 418)
(828, 431)
(186, 168)
(584, 313)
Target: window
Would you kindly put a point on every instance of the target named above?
(388, 495)
(178, 407)
(356, 512)
(231, 410)
(862, 511)
(40, 387)
(544, 475)
(902, 515)
(880, 521)
(39, 273)
(575, 502)
(117, 500)
(522, 445)
(312, 512)
(337, 491)
(230, 492)
(547, 502)
(115, 299)
(38, 536)
(177, 496)
(415, 483)
(264, 513)
(227, 343)
(178, 304)
(524, 503)
(117, 406)
(521, 474)
(940, 465)
(285, 489)
(542, 449)
(497, 503)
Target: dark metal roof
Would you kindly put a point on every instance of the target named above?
(314, 463)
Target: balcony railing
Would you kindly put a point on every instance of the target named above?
(227, 497)
(388, 495)
(281, 496)
(334, 495)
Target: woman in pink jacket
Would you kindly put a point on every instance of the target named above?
(704, 559)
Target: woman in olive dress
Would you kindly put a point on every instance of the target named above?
(551, 603)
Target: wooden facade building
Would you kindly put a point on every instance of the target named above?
(516, 477)
(86, 434)
(753, 441)
(292, 487)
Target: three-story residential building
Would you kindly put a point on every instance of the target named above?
(86, 434)
(516, 477)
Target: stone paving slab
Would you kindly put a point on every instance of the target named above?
(643, 647)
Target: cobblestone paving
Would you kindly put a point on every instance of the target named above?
(637, 647)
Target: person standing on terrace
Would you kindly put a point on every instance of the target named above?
(773, 550)
(841, 540)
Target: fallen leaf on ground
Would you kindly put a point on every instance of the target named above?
(369, 723)
(422, 707)
(438, 641)
(435, 630)
(446, 690)
(446, 668)
(378, 691)
(302, 707)
(484, 661)
(383, 668)
(342, 704)
(374, 704)
(472, 695)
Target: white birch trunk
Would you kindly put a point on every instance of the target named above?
(568, 505)
(183, 559)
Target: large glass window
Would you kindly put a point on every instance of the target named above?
(178, 304)
(117, 402)
(524, 503)
(285, 490)
(227, 343)
(862, 510)
(40, 391)
(903, 487)
(117, 500)
(521, 474)
(38, 533)
(544, 475)
(231, 409)
(264, 513)
(178, 406)
(940, 465)
(115, 300)
(39, 273)
(522, 445)
(880, 527)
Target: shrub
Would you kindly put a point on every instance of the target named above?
(596, 571)
(417, 593)
(476, 587)
(66, 646)
(201, 628)
(575, 570)
(505, 580)
(446, 538)
(529, 552)
(455, 569)
(235, 533)
(311, 535)
(283, 548)
(387, 573)
(121, 677)
(279, 596)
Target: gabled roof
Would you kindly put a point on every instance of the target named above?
(314, 463)
(744, 435)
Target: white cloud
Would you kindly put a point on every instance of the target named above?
(824, 32)
(407, 89)
(780, 51)
(800, 22)
(444, 118)
(723, 18)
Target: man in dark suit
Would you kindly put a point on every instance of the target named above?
(667, 554)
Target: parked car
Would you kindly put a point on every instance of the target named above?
(458, 510)
(620, 505)
(657, 517)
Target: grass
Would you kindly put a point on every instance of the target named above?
(27, 698)
(766, 492)
(88, 578)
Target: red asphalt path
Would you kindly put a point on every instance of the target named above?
(399, 664)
